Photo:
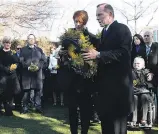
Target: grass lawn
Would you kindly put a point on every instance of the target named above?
(54, 121)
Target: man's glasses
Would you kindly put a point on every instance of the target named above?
(146, 35)
(18, 48)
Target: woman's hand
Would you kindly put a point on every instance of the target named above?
(13, 67)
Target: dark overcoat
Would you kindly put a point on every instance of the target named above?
(32, 80)
(114, 72)
(152, 62)
(9, 83)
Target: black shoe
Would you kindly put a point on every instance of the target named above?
(8, 110)
(39, 110)
(24, 110)
(17, 107)
(31, 106)
(8, 113)
(1, 112)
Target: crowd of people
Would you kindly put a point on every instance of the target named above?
(127, 75)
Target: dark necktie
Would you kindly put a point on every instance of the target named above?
(105, 32)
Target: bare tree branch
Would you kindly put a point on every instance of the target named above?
(140, 4)
(139, 11)
(31, 15)
(128, 3)
(151, 18)
(143, 11)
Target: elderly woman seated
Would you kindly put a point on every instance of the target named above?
(142, 83)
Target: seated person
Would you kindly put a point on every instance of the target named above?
(142, 83)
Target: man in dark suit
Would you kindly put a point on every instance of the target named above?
(32, 60)
(152, 59)
(114, 72)
(152, 55)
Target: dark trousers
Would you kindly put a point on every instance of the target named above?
(18, 98)
(81, 100)
(36, 99)
(6, 102)
(114, 126)
(93, 108)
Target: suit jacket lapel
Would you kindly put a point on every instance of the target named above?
(152, 48)
(104, 37)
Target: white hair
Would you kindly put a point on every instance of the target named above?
(141, 60)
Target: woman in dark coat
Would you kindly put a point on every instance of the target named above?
(32, 59)
(79, 88)
(9, 83)
(142, 95)
(138, 48)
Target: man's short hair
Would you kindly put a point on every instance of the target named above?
(107, 8)
(149, 32)
(32, 35)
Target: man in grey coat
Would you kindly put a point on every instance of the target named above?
(32, 60)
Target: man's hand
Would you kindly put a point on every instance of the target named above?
(33, 68)
(90, 55)
(149, 76)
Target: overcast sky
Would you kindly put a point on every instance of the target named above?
(68, 7)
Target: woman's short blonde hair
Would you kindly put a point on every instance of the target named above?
(141, 60)
(6, 39)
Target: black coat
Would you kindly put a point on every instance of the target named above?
(8, 79)
(152, 58)
(32, 80)
(141, 52)
(152, 62)
(114, 72)
(141, 85)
